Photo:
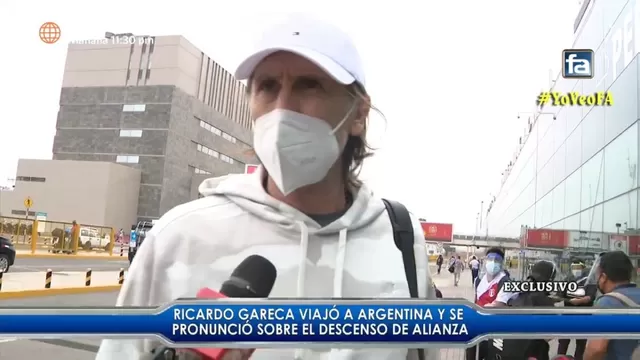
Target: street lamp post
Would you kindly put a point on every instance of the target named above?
(537, 113)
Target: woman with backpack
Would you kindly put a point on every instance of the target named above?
(439, 262)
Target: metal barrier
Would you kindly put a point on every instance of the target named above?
(58, 237)
(18, 230)
(562, 262)
(55, 237)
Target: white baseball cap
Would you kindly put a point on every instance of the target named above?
(323, 44)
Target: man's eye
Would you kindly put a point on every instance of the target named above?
(267, 85)
(309, 84)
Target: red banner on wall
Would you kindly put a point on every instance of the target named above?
(546, 238)
(250, 169)
(634, 244)
(437, 231)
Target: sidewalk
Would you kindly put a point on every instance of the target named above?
(98, 255)
(32, 284)
(444, 282)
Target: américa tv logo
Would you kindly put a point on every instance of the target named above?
(577, 64)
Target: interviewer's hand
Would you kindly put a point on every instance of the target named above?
(580, 300)
(186, 354)
(237, 354)
(232, 354)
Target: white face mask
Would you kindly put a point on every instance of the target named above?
(296, 149)
(577, 273)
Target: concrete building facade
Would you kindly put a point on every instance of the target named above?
(94, 193)
(161, 106)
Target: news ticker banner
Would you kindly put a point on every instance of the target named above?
(274, 322)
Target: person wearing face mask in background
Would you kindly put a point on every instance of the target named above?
(577, 269)
(304, 209)
(533, 349)
(489, 293)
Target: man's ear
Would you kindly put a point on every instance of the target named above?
(358, 125)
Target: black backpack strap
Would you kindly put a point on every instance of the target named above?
(504, 279)
(404, 238)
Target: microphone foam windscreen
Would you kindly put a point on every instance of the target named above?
(259, 273)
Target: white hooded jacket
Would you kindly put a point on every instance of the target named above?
(198, 245)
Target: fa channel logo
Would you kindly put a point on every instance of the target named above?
(577, 64)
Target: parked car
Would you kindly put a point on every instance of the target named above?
(7, 254)
(90, 238)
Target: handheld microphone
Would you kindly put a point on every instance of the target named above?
(253, 278)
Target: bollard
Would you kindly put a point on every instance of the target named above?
(47, 279)
(121, 277)
(1, 274)
(87, 278)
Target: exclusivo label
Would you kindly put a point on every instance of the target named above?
(540, 286)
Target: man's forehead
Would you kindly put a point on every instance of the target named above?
(289, 63)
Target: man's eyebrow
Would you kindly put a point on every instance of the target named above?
(262, 77)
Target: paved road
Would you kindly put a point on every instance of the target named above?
(68, 349)
(42, 264)
(94, 299)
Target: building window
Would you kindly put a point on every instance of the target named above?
(210, 128)
(128, 159)
(22, 212)
(621, 210)
(200, 171)
(226, 159)
(131, 133)
(214, 130)
(621, 164)
(215, 154)
(592, 182)
(30, 179)
(228, 138)
(134, 108)
(206, 150)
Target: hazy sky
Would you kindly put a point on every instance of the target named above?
(450, 77)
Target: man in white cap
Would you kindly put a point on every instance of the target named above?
(305, 208)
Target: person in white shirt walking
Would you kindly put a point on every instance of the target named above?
(474, 265)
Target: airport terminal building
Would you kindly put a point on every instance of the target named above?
(573, 181)
(160, 106)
